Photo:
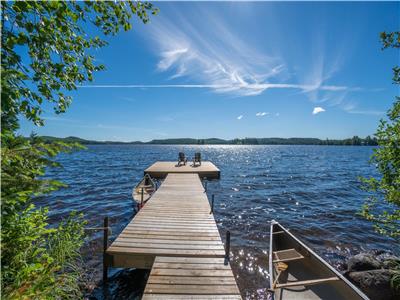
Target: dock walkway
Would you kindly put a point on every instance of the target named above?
(175, 235)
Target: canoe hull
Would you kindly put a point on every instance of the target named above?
(144, 190)
(307, 275)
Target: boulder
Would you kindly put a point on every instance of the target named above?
(388, 260)
(374, 283)
(363, 262)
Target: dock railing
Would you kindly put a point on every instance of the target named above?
(106, 232)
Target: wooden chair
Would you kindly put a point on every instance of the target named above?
(197, 159)
(182, 159)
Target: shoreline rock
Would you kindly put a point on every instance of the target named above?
(372, 273)
(363, 262)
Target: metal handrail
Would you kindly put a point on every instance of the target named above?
(106, 232)
(99, 228)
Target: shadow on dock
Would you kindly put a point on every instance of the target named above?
(122, 284)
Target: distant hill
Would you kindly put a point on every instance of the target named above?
(74, 139)
(190, 141)
(354, 141)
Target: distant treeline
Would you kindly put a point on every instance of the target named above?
(354, 141)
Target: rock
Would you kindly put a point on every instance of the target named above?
(391, 263)
(363, 262)
(374, 283)
(388, 260)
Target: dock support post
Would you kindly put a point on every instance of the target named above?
(212, 204)
(205, 184)
(227, 246)
(105, 245)
(141, 201)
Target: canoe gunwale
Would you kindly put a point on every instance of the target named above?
(270, 256)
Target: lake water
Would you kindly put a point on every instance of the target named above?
(313, 190)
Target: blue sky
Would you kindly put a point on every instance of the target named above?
(260, 69)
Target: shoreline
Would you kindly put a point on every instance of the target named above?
(354, 141)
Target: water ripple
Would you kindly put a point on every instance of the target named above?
(314, 190)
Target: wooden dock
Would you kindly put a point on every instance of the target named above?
(161, 169)
(191, 278)
(176, 236)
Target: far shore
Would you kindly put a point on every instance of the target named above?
(354, 141)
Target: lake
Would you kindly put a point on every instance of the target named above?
(313, 190)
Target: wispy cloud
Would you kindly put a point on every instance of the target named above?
(219, 58)
(367, 112)
(240, 117)
(323, 65)
(254, 86)
(216, 56)
(352, 108)
(317, 110)
(212, 56)
(261, 114)
(170, 57)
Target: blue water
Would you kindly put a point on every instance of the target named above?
(313, 190)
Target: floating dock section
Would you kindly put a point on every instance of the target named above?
(175, 235)
(161, 169)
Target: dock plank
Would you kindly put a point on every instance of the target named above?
(173, 233)
(151, 251)
(170, 237)
(192, 297)
(170, 241)
(156, 245)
